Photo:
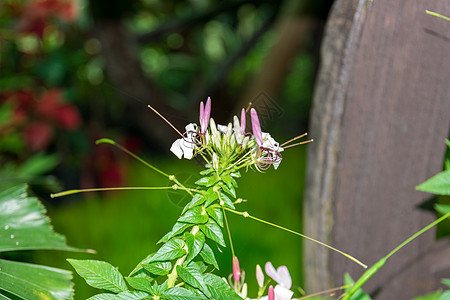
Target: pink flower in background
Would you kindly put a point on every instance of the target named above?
(38, 135)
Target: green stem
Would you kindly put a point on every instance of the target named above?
(418, 233)
(71, 192)
(109, 141)
(171, 177)
(372, 270)
(172, 277)
(437, 15)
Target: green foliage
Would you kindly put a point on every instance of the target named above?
(184, 256)
(438, 184)
(100, 274)
(24, 226)
(359, 294)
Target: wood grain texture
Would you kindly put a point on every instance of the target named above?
(380, 116)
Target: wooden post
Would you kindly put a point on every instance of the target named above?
(380, 117)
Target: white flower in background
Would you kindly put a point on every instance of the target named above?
(283, 278)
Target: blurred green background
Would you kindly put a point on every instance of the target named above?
(75, 71)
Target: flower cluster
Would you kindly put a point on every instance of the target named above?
(281, 276)
(228, 146)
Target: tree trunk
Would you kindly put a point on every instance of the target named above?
(380, 117)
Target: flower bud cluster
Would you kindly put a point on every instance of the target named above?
(228, 146)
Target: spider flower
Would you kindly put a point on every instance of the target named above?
(229, 146)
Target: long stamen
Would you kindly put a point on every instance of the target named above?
(301, 143)
(294, 139)
(248, 107)
(161, 116)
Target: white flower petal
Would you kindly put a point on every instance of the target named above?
(285, 277)
(282, 293)
(176, 148)
(270, 270)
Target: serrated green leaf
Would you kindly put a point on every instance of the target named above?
(133, 296)
(213, 232)
(23, 224)
(179, 293)
(194, 216)
(227, 201)
(195, 244)
(219, 289)
(210, 196)
(103, 296)
(230, 190)
(208, 256)
(170, 250)
(197, 199)
(227, 180)
(30, 281)
(158, 268)
(177, 229)
(192, 276)
(100, 274)
(139, 283)
(206, 171)
(212, 180)
(438, 184)
(359, 294)
(202, 181)
(215, 212)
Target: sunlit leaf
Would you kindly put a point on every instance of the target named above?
(438, 184)
(208, 256)
(219, 289)
(100, 274)
(141, 284)
(171, 250)
(179, 293)
(195, 244)
(192, 276)
(213, 231)
(194, 216)
(30, 281)
(23, 224)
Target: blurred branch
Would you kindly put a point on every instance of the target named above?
(219, 79)
(295, 26)
(120, 52)
(180, 25)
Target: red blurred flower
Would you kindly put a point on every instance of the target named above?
(48, 103)
(37, 14)
(38, 135)
(51, 106)
(68, 117)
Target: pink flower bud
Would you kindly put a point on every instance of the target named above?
(256, 126)
(205, 112)
(271, 293)
(236, 269)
